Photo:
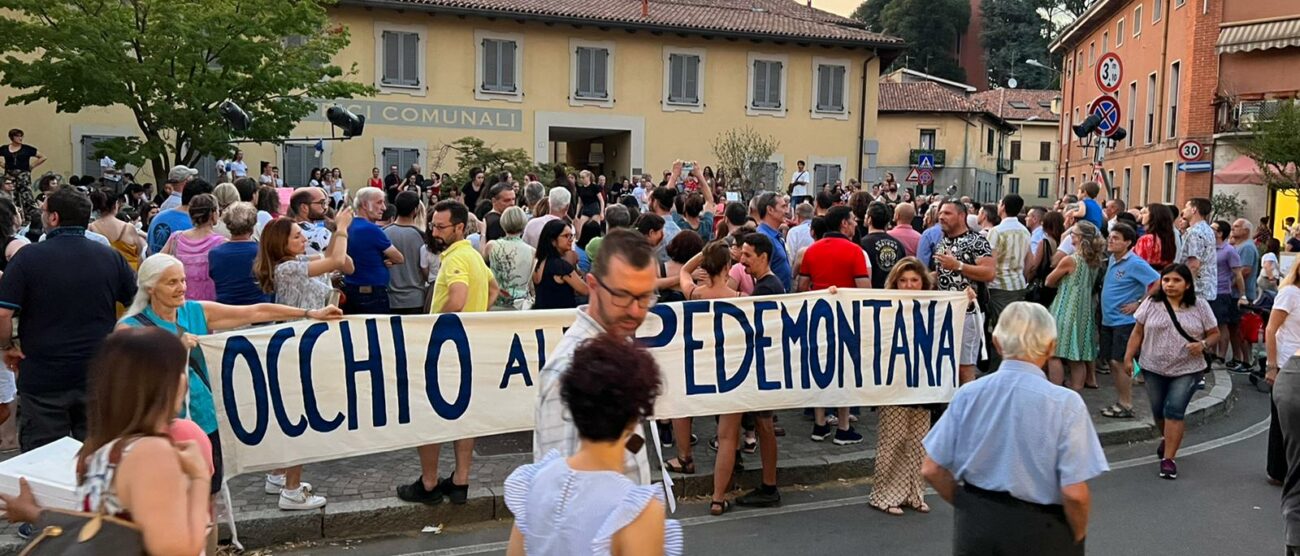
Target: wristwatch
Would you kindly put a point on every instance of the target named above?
(961, 266)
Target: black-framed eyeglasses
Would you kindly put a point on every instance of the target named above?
(623, 299)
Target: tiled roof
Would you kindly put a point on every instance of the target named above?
(764, 18)
(1019, 104)
(923, 96)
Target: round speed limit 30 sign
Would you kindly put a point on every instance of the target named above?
(1190, 151)
(1110, 72)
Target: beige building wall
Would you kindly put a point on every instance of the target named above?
(962, 137)
(639, 132)
(1036, 175)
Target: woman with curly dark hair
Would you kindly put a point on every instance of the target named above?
(584, 503)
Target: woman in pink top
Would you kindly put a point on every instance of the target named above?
(192, 246)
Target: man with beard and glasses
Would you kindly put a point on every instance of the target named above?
(464, 285)
(622, 286)
(307, 207)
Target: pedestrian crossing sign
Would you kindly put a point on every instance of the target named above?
(925, 162)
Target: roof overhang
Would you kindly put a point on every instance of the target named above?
(886, 50)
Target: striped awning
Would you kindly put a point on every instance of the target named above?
(1259, 36)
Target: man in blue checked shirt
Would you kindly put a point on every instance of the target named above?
(986, 457)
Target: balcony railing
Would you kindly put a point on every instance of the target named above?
(914, 157)
(1242, 116)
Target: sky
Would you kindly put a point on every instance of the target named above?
(842, 7)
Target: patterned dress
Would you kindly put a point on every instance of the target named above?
(1074, 310)
(511, 262)
(899, 455)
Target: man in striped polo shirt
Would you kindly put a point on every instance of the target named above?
(1010, 243)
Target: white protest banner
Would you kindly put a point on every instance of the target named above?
(313, 391)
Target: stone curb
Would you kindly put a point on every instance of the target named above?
(389, 515)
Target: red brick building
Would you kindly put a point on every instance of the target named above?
(1178, 83)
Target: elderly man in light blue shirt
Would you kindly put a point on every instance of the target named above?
(1014, 451)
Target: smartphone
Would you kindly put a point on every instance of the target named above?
(688, 168)
(334, 298)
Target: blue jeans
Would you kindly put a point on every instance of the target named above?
(372, 302)
(1170, 394)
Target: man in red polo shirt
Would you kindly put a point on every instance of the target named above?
(835, 260)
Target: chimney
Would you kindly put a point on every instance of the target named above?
(645, 8)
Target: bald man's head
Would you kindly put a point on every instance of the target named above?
(904, 213)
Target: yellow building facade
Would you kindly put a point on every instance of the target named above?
(618, 95)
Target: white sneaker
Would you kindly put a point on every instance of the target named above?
(275, 483)
(300, 499)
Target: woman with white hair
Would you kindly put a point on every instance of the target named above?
(510, 260)
(160, 301)
(1013, 452)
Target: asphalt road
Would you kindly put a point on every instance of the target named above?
(1220, 505)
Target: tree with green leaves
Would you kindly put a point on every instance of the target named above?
(931, 29)
(171, 63)
(1275, 148)
(472, 152)
(1015, 31)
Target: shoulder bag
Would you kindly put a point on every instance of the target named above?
(69, 533)
(1179, 327)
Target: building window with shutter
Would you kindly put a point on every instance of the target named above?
(991, 140)
(89, 161)
(829, 87)
(683, 79)
(825, 174)
(592, 73)
(1042, 187)
(499, 66)
(401, 157)
(1014, 184)
(401, 59)
(299, 159)
(767, 84)
(1045, 150)
(1015, 150)
(1174, 91)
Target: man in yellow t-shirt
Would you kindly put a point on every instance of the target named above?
(464, 284)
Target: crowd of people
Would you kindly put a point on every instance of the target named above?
(1057, 295)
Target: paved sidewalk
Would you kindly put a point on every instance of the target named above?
(362, 500)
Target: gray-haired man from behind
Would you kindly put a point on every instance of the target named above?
(985, 456)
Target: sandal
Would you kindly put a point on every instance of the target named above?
(717, 508)
(1117, 411)
(678, 465)
(922, 508)
(750, 446)
(892, 510)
